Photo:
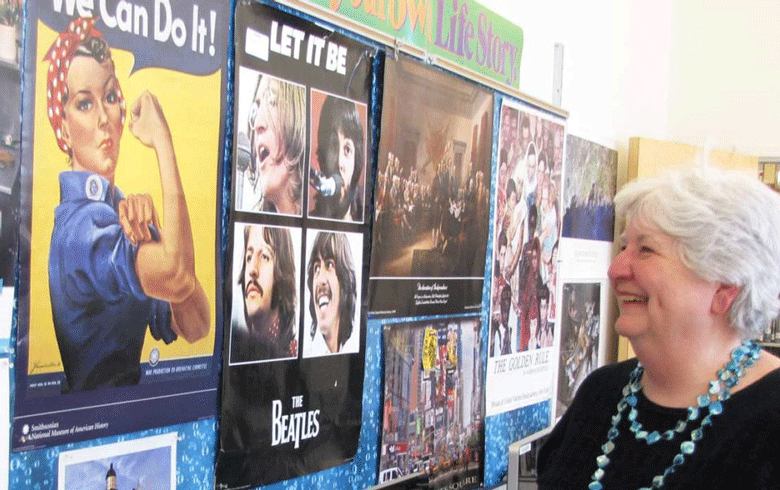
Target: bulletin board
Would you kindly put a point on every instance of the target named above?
(222, 53)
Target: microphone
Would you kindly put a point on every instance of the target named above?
(326, 186)
(243, 152)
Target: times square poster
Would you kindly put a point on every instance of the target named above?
(433, 411)
(294, 349)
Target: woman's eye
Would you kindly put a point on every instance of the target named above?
(646, 249)
(83, 104)
(112, 97)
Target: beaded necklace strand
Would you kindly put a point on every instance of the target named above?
(742, 357)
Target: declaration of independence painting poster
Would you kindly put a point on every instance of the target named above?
(432, 193)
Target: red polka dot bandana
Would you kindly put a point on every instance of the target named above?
(59, 56)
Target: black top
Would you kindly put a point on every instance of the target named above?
(741, 449)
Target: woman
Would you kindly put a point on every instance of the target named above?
(108, 284)
(272, 182)
(696, 275)
(338, 191)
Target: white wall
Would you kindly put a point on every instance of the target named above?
(680, 70)
(723, 78)
(615, 75)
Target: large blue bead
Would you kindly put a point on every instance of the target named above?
(653, 437)
(687, 447)
(716, 408)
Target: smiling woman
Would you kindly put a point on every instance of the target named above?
(696, 279)
(113, 271)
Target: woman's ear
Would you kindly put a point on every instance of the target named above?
(723, 298)
(65, 132)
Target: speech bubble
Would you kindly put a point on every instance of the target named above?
(185, 36)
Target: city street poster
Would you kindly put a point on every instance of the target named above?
(294, 350)
(433, 412)
(119, 324)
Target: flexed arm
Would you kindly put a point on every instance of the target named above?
(166, 269)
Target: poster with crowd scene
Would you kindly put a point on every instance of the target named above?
(294, 356)
(119, 320)
(523, 300)
(432, 193)
(591, 179)
(432, 417)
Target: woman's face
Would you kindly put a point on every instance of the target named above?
(658, 296)
(91, 125)
(346, 158)
(268, 139)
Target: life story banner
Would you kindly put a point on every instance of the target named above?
(461, 31)
(293, 361)
(522, 356)
(432, 199)
(120, 189)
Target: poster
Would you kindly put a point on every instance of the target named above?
(431, 207)
(433, 415)
(591, 179)
(523, 307)
(582, 336)
(148, 463)
(10, 87)
(294, 355)
(119, 257)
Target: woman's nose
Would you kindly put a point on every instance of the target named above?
(102, 114)
(621, 266)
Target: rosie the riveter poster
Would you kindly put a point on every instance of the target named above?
(293, 363)
(118, 313)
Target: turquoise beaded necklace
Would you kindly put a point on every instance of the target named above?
(742, 357)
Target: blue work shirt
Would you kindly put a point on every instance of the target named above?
(99, 308)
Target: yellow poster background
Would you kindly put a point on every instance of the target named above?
(191, 105)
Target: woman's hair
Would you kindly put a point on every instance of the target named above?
(289, 100)
(727, 229)
(79, 39)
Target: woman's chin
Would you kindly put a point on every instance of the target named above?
(628, 327)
